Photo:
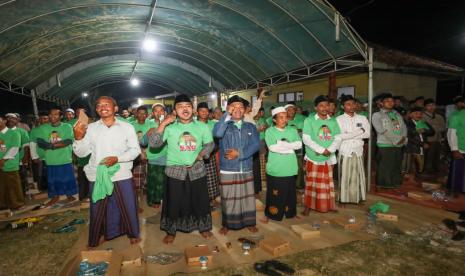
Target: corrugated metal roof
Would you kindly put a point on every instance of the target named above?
(235, 42)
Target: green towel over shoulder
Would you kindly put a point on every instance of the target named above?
(103, 185)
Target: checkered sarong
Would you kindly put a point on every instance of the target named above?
(213, 179)
(319, 188)
(139, 174)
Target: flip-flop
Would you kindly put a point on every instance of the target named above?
(280, 266)
(76, 221)
(263, 268)
(65, 229)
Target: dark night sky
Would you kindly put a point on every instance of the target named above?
(434, 29)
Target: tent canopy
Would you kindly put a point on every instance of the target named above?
(61, 48)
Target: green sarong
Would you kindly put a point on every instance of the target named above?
(155, 183)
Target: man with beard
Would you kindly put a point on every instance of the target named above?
(156, 178)
(185, 206)
(110, 142)
(11, 194)
(56, 139)
(239, 141)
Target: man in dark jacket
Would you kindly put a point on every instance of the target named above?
(417, 132)
(238, 142)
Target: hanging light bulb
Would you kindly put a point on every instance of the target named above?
(149, 45)
(135, 82)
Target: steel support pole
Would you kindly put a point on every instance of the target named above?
(370, 111)
(34, 103)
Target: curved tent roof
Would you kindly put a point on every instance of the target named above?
(61, 48)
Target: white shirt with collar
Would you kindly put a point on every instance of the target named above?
(353, 130)
(100, 141)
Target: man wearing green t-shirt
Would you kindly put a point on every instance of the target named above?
(70, 117)
(213, 179)
(456, 139)
(282, 168)
(13, 123)
(321, 138)
(156, 178)
(39, 169)
(185, 206)
(11, 194)
(56, 139)
(391, 138)
(141, 126)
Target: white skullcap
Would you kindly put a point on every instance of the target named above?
(288, 105)
(278, 110)
(69, 110)
(11, 115)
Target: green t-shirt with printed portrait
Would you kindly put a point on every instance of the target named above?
(156, 153)
(281, 165)
(322, 132)
(261, 122)
(8, 140)
(457, 122)
(185, 142)
(54, 134)
(141, 129)
(33, 135)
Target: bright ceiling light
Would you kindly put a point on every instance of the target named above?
(149, 45)
(85, 94)
(135, 82)
(213, 96)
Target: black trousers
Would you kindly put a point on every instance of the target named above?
(389, 167)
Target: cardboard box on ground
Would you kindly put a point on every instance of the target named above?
(132, 256)
(193, 254)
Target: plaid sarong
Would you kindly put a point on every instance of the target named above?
(213, 179)
(139, 173)
(319, 187)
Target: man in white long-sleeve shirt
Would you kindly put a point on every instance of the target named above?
(354, 128)
(456, 139)
(110, 141)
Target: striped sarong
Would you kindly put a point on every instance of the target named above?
(319, 188)
(114, 215)
(237, 200)
(352, 182)
(212, 177)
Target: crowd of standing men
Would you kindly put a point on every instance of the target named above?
(194, 159)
